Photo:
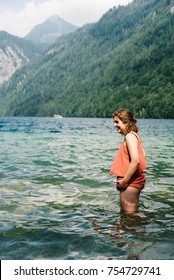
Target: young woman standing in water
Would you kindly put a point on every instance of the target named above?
(129, 162)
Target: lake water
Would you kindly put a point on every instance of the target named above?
(57, 200)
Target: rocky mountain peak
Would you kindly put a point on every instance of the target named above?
(47, 32)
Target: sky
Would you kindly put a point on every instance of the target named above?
(19, 17)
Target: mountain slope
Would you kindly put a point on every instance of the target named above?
(124, 60)
(48, 31)
(14, 53)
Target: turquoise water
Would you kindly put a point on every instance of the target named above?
(57, 200)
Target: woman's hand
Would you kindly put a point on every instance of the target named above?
(122, 184)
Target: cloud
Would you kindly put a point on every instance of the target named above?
(19, 20)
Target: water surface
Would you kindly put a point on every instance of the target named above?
(57, 200)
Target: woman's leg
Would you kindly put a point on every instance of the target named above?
(129, 199)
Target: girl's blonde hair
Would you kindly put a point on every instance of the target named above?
(127, 118)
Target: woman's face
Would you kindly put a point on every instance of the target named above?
(120, 126)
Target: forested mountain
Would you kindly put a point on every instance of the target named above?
(126, 59)
(14, 53)
(47, 32)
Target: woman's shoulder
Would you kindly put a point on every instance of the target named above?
(136, 134)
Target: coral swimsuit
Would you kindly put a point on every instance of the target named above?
(122, 161)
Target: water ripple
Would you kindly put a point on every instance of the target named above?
(59, 202)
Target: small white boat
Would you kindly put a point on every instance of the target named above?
(57, 116)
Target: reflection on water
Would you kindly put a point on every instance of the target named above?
(59, 202)
(127, 228)
(128, 223)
